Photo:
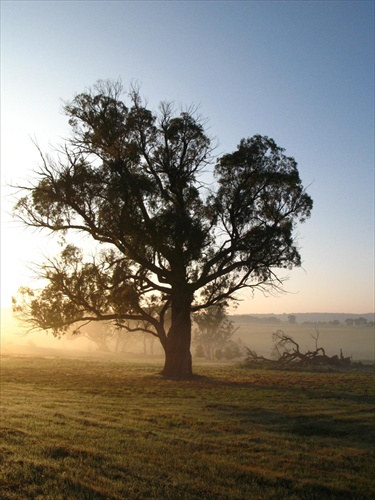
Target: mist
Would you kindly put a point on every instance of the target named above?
(252, 331)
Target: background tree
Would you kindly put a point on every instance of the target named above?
(360, 321)
(170, 245)
(100, 333)
(292, 319)
(214, 331)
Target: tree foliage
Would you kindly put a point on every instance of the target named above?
(132, 179)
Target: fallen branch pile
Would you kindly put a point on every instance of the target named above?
(287, 353)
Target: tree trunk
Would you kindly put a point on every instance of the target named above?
(178, 361)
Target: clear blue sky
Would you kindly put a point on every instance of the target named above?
(300, 72)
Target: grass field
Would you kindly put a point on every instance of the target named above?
(91, 429)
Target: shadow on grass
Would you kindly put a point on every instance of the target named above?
(254, 382)
(30, 480)
(316, 425)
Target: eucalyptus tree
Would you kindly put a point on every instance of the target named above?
(170, 244)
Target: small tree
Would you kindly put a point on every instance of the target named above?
(132, 180)
(292, 319)
(99, 333)
(214, 330)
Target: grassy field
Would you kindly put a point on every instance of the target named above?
(91, 429)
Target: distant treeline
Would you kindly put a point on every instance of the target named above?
(245, 318)
(328, 319)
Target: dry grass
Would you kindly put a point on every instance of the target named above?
(89, 429)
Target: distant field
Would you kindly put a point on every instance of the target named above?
(358, 342)
(91, 429)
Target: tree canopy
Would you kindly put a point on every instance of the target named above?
(170, 244)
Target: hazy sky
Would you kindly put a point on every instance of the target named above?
(300, 72)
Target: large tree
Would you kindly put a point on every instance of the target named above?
(171, 244)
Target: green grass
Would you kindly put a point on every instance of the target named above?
(89, 429)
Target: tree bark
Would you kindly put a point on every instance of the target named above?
(178, 360)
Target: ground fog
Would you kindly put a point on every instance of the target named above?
(355, 341)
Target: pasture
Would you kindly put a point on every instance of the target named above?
(108, 429)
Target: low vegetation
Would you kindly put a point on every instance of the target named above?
(91, 429)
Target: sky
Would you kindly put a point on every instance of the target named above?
(300, 72)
